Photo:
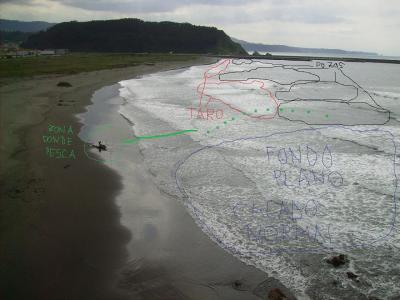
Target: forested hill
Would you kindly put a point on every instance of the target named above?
(134, 35)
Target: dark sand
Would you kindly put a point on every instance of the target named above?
(61, 234)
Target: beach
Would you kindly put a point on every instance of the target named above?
(62, 237)
(252, 197)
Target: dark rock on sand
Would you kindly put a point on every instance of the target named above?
(337, 260)
(273, 289)
(351, 275)
(64, 84)
(238, 285)
(276, 294)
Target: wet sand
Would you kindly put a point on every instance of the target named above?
(61, 231)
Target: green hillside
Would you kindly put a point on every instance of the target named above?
(134, 35)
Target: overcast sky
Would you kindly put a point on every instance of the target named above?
(367, 25)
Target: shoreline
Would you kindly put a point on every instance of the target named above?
(169, 255)
(45, 201)
(61, 232)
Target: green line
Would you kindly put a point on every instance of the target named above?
(158, 136)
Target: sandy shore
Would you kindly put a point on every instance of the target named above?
(61, 235)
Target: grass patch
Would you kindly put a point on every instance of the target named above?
(80, 62)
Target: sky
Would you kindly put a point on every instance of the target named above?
(363, 25)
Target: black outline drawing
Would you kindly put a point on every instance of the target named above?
(301, 68)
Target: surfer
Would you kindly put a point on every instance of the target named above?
(100, 147)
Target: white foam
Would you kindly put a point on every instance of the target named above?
(226, 188)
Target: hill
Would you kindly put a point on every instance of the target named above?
(13, 36)
(134, 35)
(282, 48)
(13, 25)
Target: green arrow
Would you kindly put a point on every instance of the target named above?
(158, 136)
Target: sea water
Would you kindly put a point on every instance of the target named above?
(283, 165)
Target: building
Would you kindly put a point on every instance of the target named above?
(47, 52)
(61, 51)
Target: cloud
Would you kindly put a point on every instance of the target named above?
(304, 15)
(145, 6)
(354, 25)
(219, 11)
(262, 11)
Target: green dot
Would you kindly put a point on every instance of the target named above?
(225, 122)
(267, 109)
(281, 109)
(292, 110)
(208, 131)
(255, 110)
(308, 111)
(217, 127)
(326, 116)
(243, 113)
(233, 118)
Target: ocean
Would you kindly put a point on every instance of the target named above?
(346, 55)
(280, 163)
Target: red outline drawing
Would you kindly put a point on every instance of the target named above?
(209, 78)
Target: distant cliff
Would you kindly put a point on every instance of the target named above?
(134, 35)
(282, 48)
